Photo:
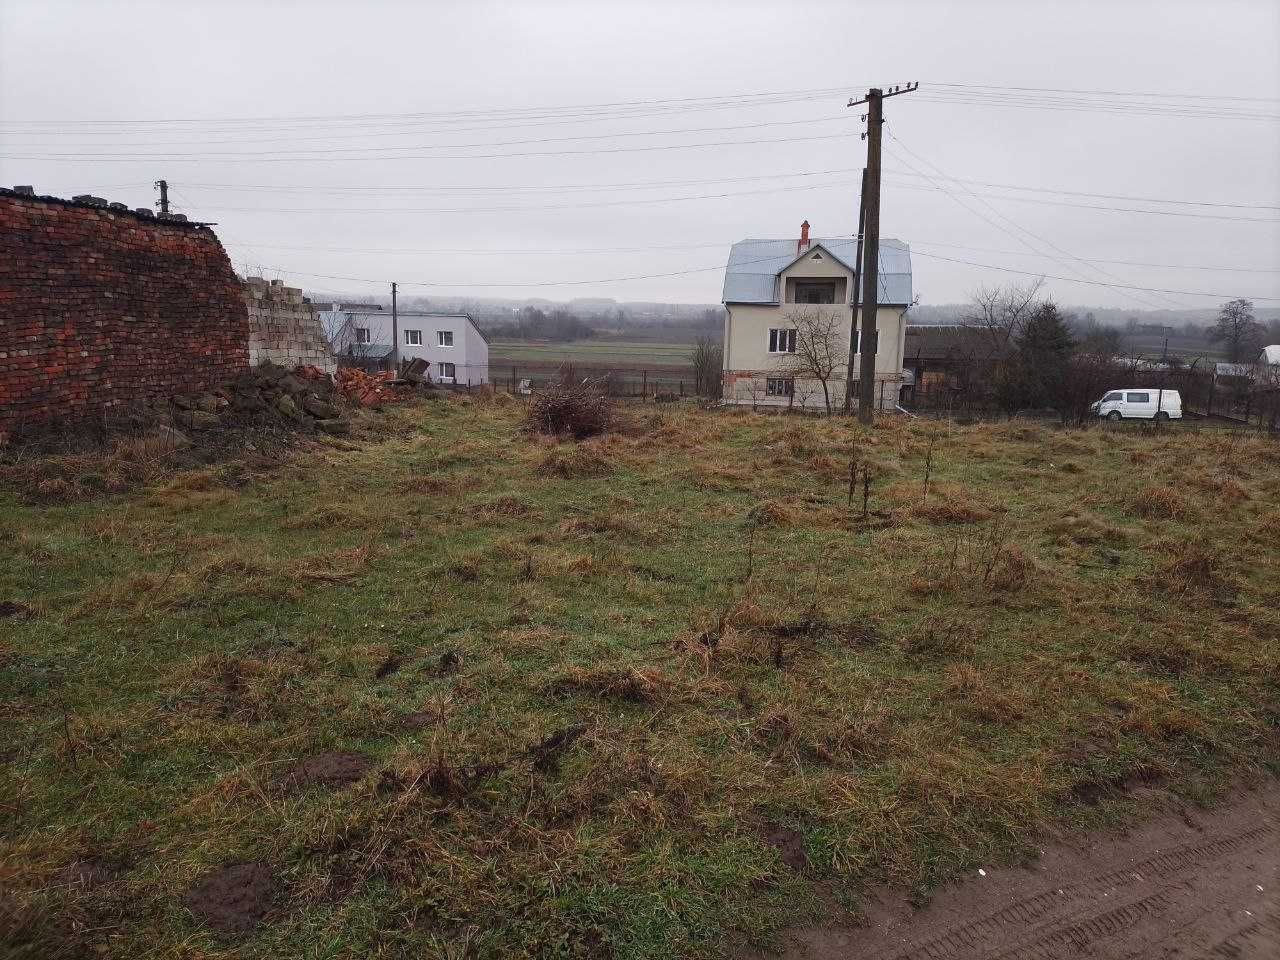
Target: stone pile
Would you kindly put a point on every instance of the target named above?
(305, 396)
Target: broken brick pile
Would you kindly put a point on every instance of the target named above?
(102, 307)
(370, 389)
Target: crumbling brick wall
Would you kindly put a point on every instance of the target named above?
(102, 307)
(284, 328)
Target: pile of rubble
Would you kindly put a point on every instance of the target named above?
(306, 396)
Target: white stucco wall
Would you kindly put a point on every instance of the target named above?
(469, 353)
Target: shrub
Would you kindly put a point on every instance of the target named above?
(576, 409)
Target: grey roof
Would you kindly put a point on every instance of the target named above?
(1270, 354)
(752, 273)
(369, 351)
(401, 314)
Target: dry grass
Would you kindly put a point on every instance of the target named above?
(586, 675)
(1161, 502)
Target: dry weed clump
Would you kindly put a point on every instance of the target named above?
(942, 638)
(578, 410)
(1224, 486)
(950, 511)
(1161, 503)
(1088, 529)
(576, 461)
(772, 513)
(984, 698)
(613, 683)
(1192, 567)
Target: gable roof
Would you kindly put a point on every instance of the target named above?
(401, 314)
(752, 272)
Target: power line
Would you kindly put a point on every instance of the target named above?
(707, 245)
(451, 146)
(472, 156)
(363, 189)
(720, 267)
(1016, 236)
(1095, 283)
(1108, 93)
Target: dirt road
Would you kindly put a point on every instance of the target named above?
(1188, 884)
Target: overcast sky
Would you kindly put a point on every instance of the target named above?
(354, 137)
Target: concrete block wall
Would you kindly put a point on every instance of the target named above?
(284, 327)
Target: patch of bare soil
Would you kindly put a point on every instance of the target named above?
(90, 873)
(789, 844)
(1189, 884)
(336, 769)
(233, 899)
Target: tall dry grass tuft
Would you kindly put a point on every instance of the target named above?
(1161, 503)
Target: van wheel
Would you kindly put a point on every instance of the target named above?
(1162, 415)
(1114, 416)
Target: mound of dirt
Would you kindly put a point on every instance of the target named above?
(233, 899)
(335, 770)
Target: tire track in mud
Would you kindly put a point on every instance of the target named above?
(960, 941)
(1188, 884)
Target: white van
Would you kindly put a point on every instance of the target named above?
(1142, 403)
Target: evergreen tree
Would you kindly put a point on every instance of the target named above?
(1038, 374)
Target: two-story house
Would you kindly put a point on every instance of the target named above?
(770, 285)
(456, 349)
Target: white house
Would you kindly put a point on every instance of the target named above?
(451, 343)
(770, 284)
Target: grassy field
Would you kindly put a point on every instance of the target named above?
(602, 352)
(450, 690)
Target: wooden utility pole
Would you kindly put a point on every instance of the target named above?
(395, 333)
(164, 195)
(857, 293)
(871, 247)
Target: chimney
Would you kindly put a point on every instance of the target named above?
(803, 243)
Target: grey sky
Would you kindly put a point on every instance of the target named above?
(64, 63)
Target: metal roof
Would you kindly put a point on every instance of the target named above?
(752, 272)
(368, 351)
(400, 314)
(1271, 354)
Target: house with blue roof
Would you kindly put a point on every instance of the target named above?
(770, 286)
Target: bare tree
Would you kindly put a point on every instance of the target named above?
(819, 344)
(707, 361)
(1002, 312)
(1237, 328)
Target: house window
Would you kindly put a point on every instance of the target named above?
(444, 338)
(448, 371)
(413, 338)
(782, 340)
(364, 335)
(779, 387)
(811, 292)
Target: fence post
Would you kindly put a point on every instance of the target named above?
(644, 386)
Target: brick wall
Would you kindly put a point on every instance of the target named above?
(102, 307)
(284, 328)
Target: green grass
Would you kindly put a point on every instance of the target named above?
(1064, 614)
(600, 352)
